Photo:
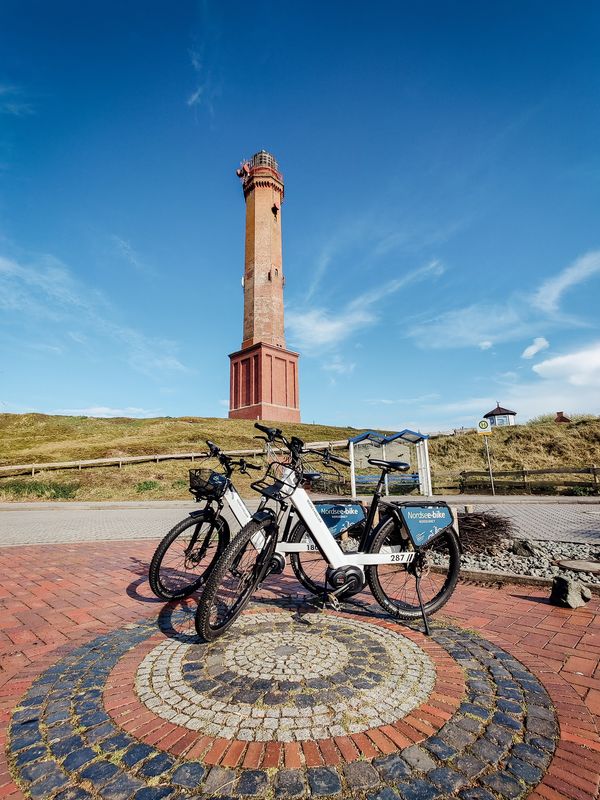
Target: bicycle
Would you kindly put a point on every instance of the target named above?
(182, 561)
(413, 543)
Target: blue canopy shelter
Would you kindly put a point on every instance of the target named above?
(419, 440)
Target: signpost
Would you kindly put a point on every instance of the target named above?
(485, 429)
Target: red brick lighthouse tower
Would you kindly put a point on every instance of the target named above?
(264, 375)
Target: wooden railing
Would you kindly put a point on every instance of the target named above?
(119, 461)
(526, 481)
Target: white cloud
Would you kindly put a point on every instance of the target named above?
(339, 366)
(581, 368)
(549, 294)
(46, 290)
(315, 329)
(538, 344)
(485, 345)
(107, 411)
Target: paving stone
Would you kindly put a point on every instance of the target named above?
(530, 754)
(218, 778)
(136, 753)
(503, 783)
(524, 771)
(31, 754)
(156, 766)
(44, 787)
(155, 793)
(418, 758)
(73, 793)
(392, 767)
(475, 710)
(487, 751)
(418, 790)
(384, 794)
(360, 775)
(506, 721)
(323, 781)
(289, 783)
(79, 758)
(252, 782)
(446, 779)
(469, 765)
(189, 775)
(476, 793)
(121, 788)
(99, 772)
(439, 748)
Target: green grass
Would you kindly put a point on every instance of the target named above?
(35, 438)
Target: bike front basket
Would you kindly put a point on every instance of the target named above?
(278, 482)
(207, 483)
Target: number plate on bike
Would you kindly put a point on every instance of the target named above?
(425, 522)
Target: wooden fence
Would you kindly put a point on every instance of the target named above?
(11, 470)
(523, 481)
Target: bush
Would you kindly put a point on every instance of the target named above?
(146, 486)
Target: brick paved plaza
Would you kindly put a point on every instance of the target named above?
(105, 692)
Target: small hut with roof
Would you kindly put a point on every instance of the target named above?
(500, 416)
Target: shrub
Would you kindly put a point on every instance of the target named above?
(146, 486)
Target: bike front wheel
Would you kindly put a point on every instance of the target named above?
(182, 561)
(394, 585)
(234, 579)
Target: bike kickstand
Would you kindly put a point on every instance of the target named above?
(423, 614)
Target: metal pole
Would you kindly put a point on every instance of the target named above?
(352, 473)
(487, 450)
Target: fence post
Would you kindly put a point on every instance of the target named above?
(461, 482)
(594, 472)
(525, 482)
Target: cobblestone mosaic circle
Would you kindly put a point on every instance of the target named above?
(81, 732)
(287, 681)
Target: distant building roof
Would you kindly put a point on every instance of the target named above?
(499, 411)
(560, 417)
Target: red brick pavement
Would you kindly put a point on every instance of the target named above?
(54, 598)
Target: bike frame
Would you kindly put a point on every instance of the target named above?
(322, 540)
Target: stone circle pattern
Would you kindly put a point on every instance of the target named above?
(287, 682)
(497, 743)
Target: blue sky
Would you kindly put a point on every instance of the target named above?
(441, 222)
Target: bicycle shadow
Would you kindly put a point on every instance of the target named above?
(132, 590)
(176, 621)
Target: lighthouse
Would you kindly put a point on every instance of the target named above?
(263, 373)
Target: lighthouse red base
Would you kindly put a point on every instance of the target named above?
(264, 384)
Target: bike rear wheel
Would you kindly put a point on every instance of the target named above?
(394, 585)
(234, 579)
(182, 561)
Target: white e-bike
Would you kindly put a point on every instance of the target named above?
(410, 558)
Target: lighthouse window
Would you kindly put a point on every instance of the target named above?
(275, 211)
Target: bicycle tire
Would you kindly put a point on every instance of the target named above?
(394, 585)
(173, 574)
(232, 581)
(310, 568)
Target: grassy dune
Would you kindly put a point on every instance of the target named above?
(35, 438)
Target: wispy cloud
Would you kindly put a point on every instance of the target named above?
(315, 329)
(107, 411)
(206, 88)
(45, 290)
(338, 365)
(13, 103)
(124, 249)
(538, 344)
(519, 316)
(548, 296)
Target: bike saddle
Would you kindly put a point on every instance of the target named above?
(393, 466)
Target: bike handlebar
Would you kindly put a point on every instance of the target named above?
(328, 456)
